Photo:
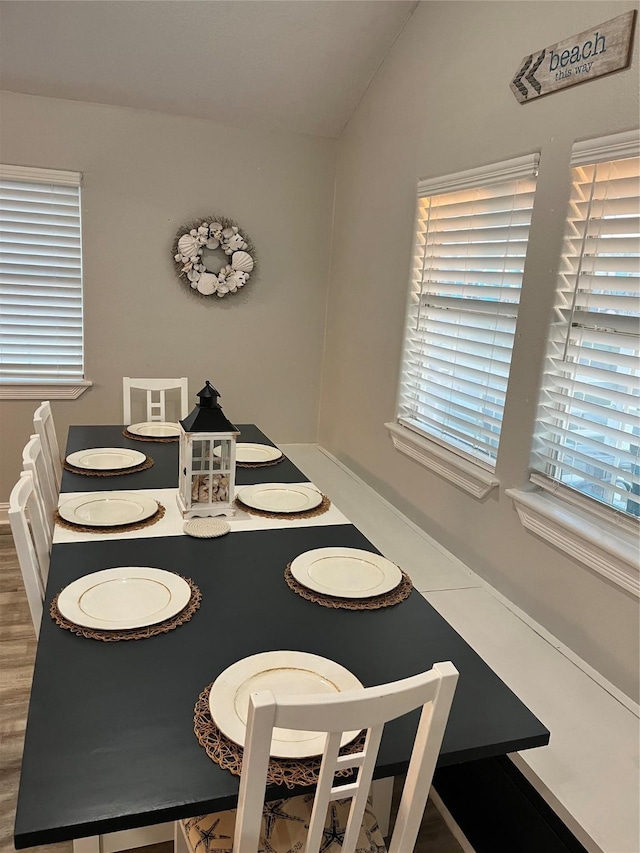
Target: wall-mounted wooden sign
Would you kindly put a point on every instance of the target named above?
(590, 54)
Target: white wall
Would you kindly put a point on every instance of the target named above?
(145, 175)
(441, 103)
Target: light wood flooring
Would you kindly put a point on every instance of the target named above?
(17, 653)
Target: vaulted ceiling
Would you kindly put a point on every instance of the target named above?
(295, 65)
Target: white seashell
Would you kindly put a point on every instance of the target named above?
(234, 243)
(187, 246)
(213, 244)
(193, 232)
(229, 232)
(222, 288)
(194, 284)
(242, 261)
(215, 226)
(208, 283)
(203, 229)
(177, 257)
(193, 275)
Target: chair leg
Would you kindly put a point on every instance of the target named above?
(179, 841)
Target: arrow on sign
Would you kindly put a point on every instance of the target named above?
(517, 80)
(530, 78)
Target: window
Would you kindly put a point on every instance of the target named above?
(588, 435)
(41, 334)
(469, 253)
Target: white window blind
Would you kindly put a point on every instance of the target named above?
(588, 434)
(41, 336)
(469, 252)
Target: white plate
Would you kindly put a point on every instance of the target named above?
(280, 497)
(285, 674)
(346, 572)
(155, 429)
(108, 509)
(123, 598)
(106, 458)
(248, 452)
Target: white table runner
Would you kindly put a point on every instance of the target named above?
(172, 524)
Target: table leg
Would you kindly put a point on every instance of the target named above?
(381, 793)
(93, 844)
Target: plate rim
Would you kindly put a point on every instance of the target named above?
(64, 506)
(178, 587)
(286, 486)
(120, 450)
(276, 452)
(309, 583)
(260, 662)
(132, 428)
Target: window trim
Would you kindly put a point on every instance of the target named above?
(607, 548)
(429, 453)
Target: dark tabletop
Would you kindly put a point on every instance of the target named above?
(109, 742)
(164, 472)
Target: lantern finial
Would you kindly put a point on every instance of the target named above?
(208, 396)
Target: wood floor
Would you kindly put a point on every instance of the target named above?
(17, 653)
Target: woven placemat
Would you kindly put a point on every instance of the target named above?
(282, 771)
(387, 599)
(309, 513)
(110, 472)
(134, 633)
(119, 528)
(158, 438)
(260, 464)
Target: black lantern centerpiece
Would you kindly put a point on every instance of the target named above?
(207, 459)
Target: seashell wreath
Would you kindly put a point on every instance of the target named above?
(213, 233)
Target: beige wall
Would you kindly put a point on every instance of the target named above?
(441, 103)
(145, 175)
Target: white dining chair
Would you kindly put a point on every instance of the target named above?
(155, 389)
(28, 529)
(33, 461)
(45, 428)
(337, 810)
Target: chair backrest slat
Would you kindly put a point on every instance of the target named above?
(34, 461)
(156, 389)
(45, 428)
(25, 517)
(335, 714)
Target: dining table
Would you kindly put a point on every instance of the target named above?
(110, 741)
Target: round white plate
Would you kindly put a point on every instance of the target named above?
(155, 429)
(108, 509)
(285, 674)
(106, 458)
(280, 497)
(122, 598)
(346, 572)
(206, 528)
(248, 452)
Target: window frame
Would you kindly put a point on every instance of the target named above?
(449, 460)
(38, 388)
(599, 536)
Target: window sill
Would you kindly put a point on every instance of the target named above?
(443, 462)
(610, 551)
(44, 390)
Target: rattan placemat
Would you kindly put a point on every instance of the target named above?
(120, 528)
(309, 513)
(135, 633)
(387, 599)
(116, 472)
(157, 438)
(282, 771)
(260, 464)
